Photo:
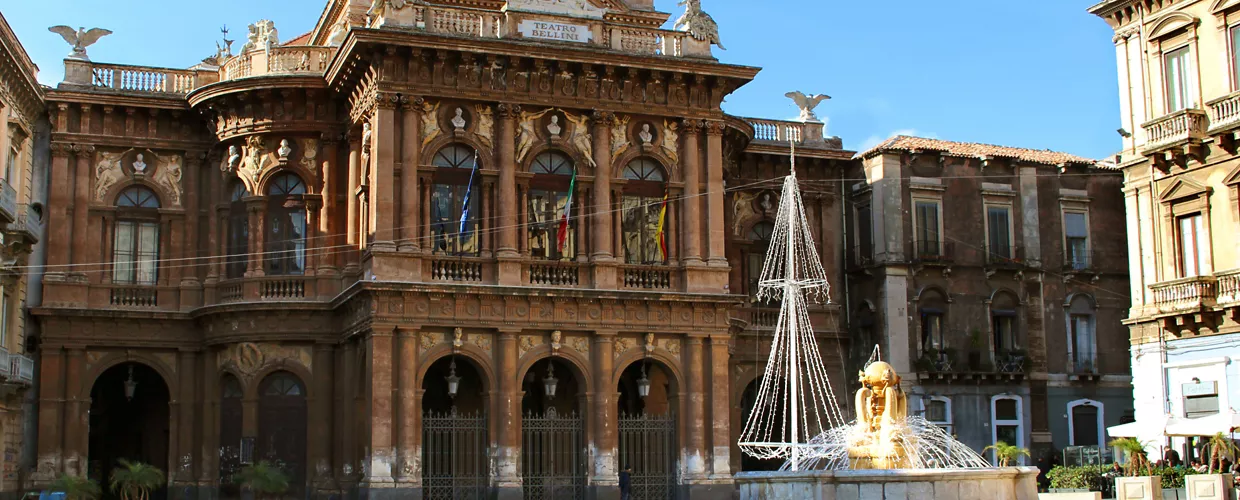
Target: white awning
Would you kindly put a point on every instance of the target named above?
(1223, 423)
(1128, 430)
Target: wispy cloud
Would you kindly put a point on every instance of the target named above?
(874, 140)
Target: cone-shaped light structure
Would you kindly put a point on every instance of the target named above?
(795, 402)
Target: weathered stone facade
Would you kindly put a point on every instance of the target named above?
(282, 251)
(1180, 112)
(996, 276)
(23, 146)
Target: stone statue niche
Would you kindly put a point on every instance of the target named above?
(881, 411)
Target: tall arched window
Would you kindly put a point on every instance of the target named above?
(285, 244)
(645, 201)
(553, 174)
(1082, 340)
(238, 231)
(135, 241)
(759, 237)
(455, 165)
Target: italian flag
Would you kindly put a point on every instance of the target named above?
(662, 222)
(562, 234)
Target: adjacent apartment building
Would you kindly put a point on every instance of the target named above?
(23, 154)
(994, 277)
(1179, 82)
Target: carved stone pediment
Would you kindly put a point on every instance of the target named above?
(573, 8)
(1181, 188)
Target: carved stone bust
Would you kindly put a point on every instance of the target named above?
(645, 134)
(285, 149)
(139, 166)
(554, 127)
(458, 121)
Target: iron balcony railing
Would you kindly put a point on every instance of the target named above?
(1005, 256)
(932, 251)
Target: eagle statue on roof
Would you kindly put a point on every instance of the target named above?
(697, 23)
(807, 103)
(79, 38)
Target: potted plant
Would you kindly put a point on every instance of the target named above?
(135, 480)
(1138, 462)
(263, 480)
(76, 487)
(1006, 454)
(929, 361)
(1220, 447)
(976, 345)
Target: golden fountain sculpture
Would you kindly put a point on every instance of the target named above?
(881, 407)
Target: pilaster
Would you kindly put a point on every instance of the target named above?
(605, 473)
(410, 159)
(717, 234)
(81, 204)
(507, 458)
(690, 158)
(383, 209)
(506, 157)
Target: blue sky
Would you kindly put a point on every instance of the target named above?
(1030, 74)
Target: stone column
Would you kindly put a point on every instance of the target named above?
(718, 232)
(605, 472)
(351, 238)
(506, 157)
(60, 212)
(255, 208)
(383, 156)
(81, 204)
(313, 240)
(720, 409)
(690, 157)
(51, 413)
(408, 439)
(209, 433)
(693, 456)
(378, 382)
(320, 413)
(76, 412)
(410, 159)
(187, 410)
(602, 186)
(507, 458)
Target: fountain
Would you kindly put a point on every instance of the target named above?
(884, 454)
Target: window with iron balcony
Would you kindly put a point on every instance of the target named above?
(135, 244)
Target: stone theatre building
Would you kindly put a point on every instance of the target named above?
(502, 249)
(449, 249)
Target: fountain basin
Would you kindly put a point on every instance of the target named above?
(1015, 483)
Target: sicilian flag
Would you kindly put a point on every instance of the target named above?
(662, 222)
(562, 233)
(469, 192)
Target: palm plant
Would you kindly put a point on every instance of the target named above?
(264, 479)
(76, 487)
(1005, 453)
(1137, 459)
(135, 480)
(1220, 446)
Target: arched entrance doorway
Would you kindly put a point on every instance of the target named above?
(454, 431)
(129, 420)
(230, 435)
(748, 399)
(647, 426)
(282, 428)
(552, 432)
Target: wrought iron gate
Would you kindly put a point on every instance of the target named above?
(454, 455)
(648, 446)
(553, 456)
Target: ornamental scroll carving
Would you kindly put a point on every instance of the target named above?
(622, 345)
(249, 358)
(580, 344)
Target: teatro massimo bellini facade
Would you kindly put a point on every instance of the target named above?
(343, 254)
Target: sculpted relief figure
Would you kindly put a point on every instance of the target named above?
(525, 132)
(742, 210)
(107, 174)
(670, 141)
(79, 39)
(263, 35)
(581, 138)
(168, 176)
(486, 124)
(619, 136)
(234, 159)
(430, 122)
(309, 151)
(255, 161)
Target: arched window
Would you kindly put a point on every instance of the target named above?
(456, 165)
(645, 212)
(286, 225)
(549, 196)
(1082, 342)
(760, 239)
(938, 411)
(135, 241)
(238, 231)
(1007, 422)
(282, 424)
(1085, 417)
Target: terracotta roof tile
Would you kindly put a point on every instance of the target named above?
(303, 39)
(904, 143)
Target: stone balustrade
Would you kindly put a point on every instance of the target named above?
(8, 201)
(282, 60)
(457, 270)
(21, 369)
(1224, 112)
(555, 274)
(140, 78)
(134, 296)
(1228, 286)
(647, 277)
(6, 364)
(282, 288)
(1185, 294)
(1180, 127)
